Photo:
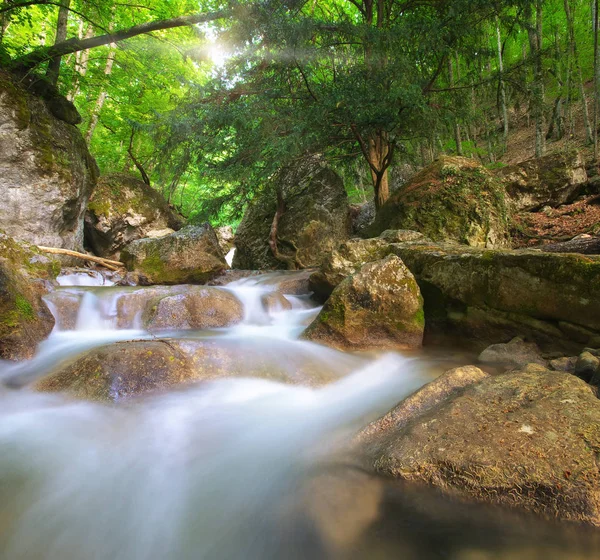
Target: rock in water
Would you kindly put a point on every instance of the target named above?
(378, 307)
(123, 209)
(190, 256)
(46, 171)
(25, 320)
(516, 353)
(454, 199)
(526, 439)
(312, 219)
(551, 180)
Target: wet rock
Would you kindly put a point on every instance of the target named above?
(190, 256)
(361, 216)
(347, 259)
(313, 219)
(64, 307)
(566, 364)
(378, 307)
(46, 171)
(122, 209)
(452, 199)
(516, 353)
(587, 366)
(520, 439)
(25, 319)
(274, 302)
(195, 308)
(292, 284)
(551, 180)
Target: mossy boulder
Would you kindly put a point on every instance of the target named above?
(312, 219)
(528, 439)
(453, 199)
(378, 307)
(122, 209)
(46, 171)
(190, 256)
(25, 320)
(551, 180)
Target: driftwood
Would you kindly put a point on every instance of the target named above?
(106, 263)
(587, 245)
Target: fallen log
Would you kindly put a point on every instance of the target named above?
(106, 263)
(585, 245)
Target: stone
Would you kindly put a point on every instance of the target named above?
(190, 256)
(122, 209)
(312, 219)
(566, 364)
(226, 238)
(274, 302)
(378, 307)
(453, 199)
(361, 216)
(195, 308)
(587, 366)
(521, 439)
(516, 353)
(25, 276)
(551, 180)
(347, 259)
(46, 171)
(402, 236)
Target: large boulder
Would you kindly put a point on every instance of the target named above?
(25, 320)
(453, 199)
(190, 256)
(308, 204)
(122, 209)
(378, 307)
(46, 171)
(551, 180)
(528, 439)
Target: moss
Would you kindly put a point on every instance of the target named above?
(18, 100)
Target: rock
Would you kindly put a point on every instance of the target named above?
(347, 259)
(520, 439)
(587, 366)
(123, 209)
(190, 256)
(195, 308)
(551, 180)
(65, 308)
(25, 320)
(291, 283)
(226, 238)
(402, 236)
(46, 171)
(313, 219)
(452, 199)
(516, 353)
(378, 307)
(361, 216)
(484, 296)
(566, 364)
(431, 395)
(274, 302)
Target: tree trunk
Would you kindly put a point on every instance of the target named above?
(536, 37)
(101, 96)
(81, 65)
(457, 138)
(53, 71)
(503, 107)
(596, 81)
(379, 151)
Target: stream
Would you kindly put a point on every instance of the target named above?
(252, 464)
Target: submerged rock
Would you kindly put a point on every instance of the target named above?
(516, 353)
(312, 219)
(25, 320)
(190, 256)
(122, 209)
(524, 439)
(551, 180)
(46, 171)
(378, 307)
(455, 199)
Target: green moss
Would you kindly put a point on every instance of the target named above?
(24, 308)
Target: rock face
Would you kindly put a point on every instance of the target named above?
(190, 256)
(551, 180)
(123, 209)
(526, 439)
(378, 307)
(25, 320)
(226, 238)
(46, 171)
(311, 211)
(515, 353)
(453, 199)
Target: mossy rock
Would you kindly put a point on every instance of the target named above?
(454, 199)
(378, 307)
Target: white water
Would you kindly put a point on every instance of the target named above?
(220, 470)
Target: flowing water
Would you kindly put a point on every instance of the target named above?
(240, 467)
